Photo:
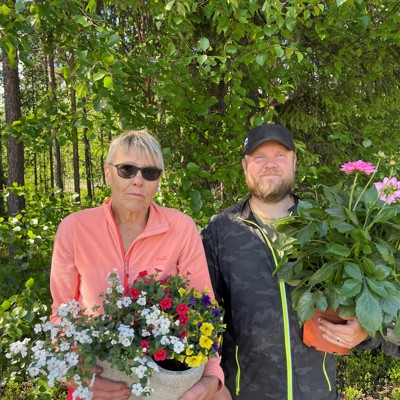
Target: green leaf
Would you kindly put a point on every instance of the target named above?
(203, 44)
(260, 59)
(169, 5)
(108, 82)
(192, 167)
(350, 288)
(202, 59)
(196, 201)
(337, 212)
(353, 270)
(339, 250)
(113, 40)
(98, 75)
(325, 273)
(29, 283)
(341, 226)
(306, 233)
(391, 302)
(303, 303)
(369, 313)
(323, 228)
(340, 2)
(386, 251)
(371, 195)
(5, 305)
(377, 287)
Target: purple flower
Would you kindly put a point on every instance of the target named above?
(388, 190)
(216, 348)
(357, 167)
(206, 299)
(216, 312)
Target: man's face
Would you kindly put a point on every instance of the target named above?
(270, 171)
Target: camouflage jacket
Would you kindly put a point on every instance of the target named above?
(263, 355)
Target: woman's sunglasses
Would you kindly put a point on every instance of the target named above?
(128, 171)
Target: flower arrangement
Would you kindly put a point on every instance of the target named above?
(159, 318)
(340, 249)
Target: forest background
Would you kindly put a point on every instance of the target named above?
(197, 74)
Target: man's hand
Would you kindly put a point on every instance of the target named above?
(205, 389)
(346, 335)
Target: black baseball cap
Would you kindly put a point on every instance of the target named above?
(266, 133)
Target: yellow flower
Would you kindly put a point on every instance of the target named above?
(189, 351)
(197, 294)
(206, 328)
(182, 291)
(194, 361)
(205, 342)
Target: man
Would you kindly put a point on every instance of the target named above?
(263, 355)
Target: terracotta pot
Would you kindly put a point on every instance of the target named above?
(312, 336)
(167, 385)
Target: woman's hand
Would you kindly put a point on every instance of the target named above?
(105, 389)
(205, 389)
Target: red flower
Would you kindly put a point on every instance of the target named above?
(133, 292)
(143, 273)
(165, 280)
(182, 308)
(183, 319)
(145, 346)
(160, 355)
(182, 335)
(166, 303)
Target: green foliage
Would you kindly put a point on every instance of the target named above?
(18, 315)
(341, 250)
(367, 374)
(32, 391)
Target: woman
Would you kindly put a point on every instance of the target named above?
(131, 233)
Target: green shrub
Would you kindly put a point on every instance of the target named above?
(18, 315)
(31, 391)
(366, 373)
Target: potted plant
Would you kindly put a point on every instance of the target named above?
(340, 249)
(129, 334)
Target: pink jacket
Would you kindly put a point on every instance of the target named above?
(88, 246)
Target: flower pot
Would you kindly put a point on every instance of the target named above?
(312, 336)
(167, 385)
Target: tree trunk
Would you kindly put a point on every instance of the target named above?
(75, 148)
(89, 180)
(2, 183)
(53, 97)
(15, 148)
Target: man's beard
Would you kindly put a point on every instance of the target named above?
(272, 193)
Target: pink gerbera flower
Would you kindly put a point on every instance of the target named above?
(357, 167)
(388, 190)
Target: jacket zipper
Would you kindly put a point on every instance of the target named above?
(286, 325)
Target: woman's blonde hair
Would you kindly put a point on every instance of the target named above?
(140, 140)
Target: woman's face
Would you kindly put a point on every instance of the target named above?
(132, 195)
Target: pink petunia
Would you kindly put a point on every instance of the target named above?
(357, 167)
(160, 355)
(182, 308)
(166, 303)
(388, 190)
(183, 320)
(145, 346)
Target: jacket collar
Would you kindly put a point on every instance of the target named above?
(246, 213)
